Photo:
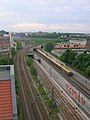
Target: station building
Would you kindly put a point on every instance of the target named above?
(69, 45)
(8, 106)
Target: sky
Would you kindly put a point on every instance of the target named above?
(45, 15)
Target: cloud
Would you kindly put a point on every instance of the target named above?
(5, 14)
(29, 27)
(51, 15)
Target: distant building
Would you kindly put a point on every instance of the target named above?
(4, 44)
(88, 45)
(12, 42)
(69, 45)
(6, 36)
(4, 41)
(78, 42)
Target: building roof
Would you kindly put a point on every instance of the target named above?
(8, 107)
(6, 112)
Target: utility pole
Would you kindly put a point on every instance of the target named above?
(10, 53)
(50, 71)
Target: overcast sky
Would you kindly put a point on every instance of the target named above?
(45, 15)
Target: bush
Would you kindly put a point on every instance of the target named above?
(88, 71)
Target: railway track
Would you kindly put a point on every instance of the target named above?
(82, 88)
(32, 106)
(67, 110)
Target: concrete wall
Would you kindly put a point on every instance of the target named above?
(63, 83)
(4, 73)
(88, 45)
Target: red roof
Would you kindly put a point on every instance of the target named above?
(5, 100)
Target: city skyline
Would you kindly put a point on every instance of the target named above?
(45, 15)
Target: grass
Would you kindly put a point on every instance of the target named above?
(51, 107)
(19, 110)
(41, 41)
(52, 110)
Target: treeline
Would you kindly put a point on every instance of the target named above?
(55, 35)
(79, 61)
(2, 32)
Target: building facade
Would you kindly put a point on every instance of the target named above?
(4, 44)
(88, 45)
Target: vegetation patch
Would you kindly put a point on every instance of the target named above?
(80, 62)
(4, 60)
(50, 105)
(19, 110)
(18, 100)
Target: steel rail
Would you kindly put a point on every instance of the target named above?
(68, 110)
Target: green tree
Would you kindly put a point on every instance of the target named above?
(49, 47)
(68, 56)
(29, 61)
(88, 71)
(82, 61)
(13, 51)
(4, 60)
(19, 45)
(2, 32)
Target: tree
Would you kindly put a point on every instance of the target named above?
(4, 60)
(82, 61)
(29, 61)
(19, 45)
(2, 32)
(88, 71)
(49, 47)
(13, 51)
(68, 56)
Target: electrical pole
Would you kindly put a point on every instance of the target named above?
(10, 53)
